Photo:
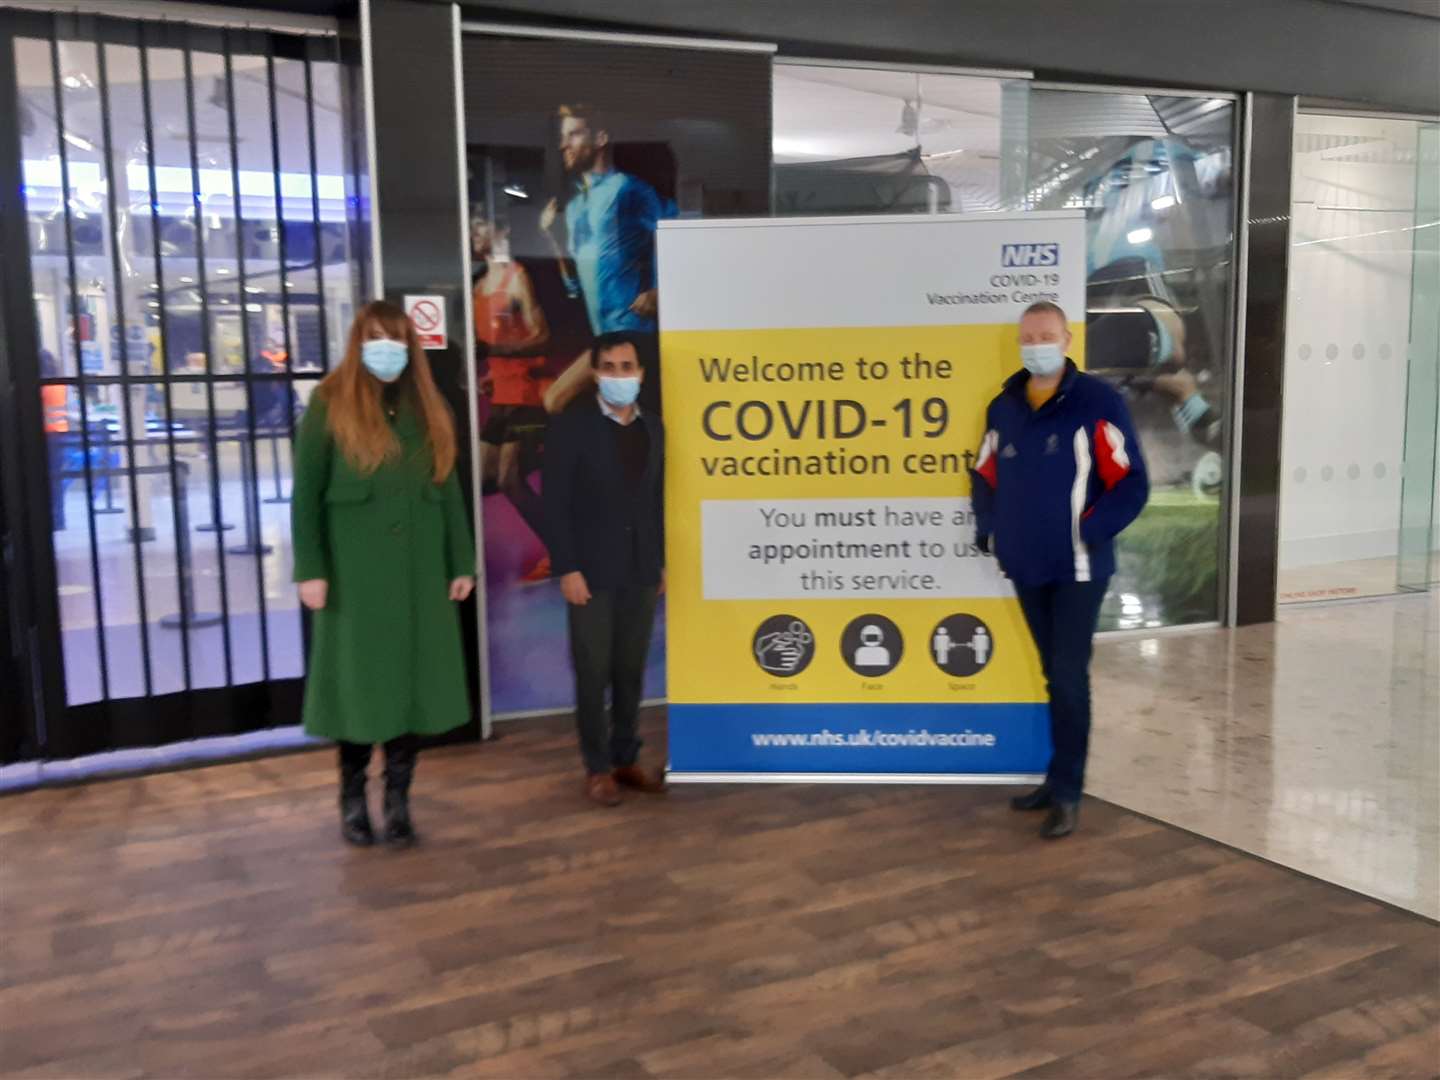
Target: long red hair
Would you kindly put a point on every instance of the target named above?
(353, 402)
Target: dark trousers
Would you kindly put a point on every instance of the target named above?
(609, 644)
(400, 751)
(1062, 620)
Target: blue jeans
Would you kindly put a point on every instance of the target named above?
(1062, 620)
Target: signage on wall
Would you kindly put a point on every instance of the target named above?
(428, 315)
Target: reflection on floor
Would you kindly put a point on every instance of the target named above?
(1314, 741)
(211, 922)
(1344, 580)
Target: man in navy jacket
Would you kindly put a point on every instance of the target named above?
(1059, 475)
(604, 484)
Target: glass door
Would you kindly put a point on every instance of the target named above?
(1358, 459)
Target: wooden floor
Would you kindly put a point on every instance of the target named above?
(210, 924)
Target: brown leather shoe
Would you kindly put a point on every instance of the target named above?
(650, 781)
(601, 788)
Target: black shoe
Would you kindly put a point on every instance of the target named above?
(354, 815)
(399, 768)
(399, 832)
(1039, 799)
(1061, 820)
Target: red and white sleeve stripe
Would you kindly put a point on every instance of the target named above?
(985, 464)
(1112, 458)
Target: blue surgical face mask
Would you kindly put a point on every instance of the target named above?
(386, 359)
(1044, 359)
(619, 390)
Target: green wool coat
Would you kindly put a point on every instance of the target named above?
(385, 654)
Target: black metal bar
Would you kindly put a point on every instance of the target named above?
(132, 481)
(284, 263)
(216, 512)
(315, 217)
(279, 209)
(75, 322)
(252, 496)
(148, 110)
(24, 482)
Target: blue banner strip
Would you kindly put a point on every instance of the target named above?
(860, 738)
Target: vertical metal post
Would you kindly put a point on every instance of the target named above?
(112, 240)
(315, 217)
(182, 575)
(289, 379)
(216, 511)
(251, 496)
(81, 388)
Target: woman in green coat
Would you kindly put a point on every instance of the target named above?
(383, 550)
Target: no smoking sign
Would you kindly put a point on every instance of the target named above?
(428, 315)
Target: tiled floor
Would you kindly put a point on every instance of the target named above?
(1314, 741)
(1345, 580)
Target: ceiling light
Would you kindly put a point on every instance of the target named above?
(1139, 236)
(78, 142)
(222, 270)
(516, 191)
(1164, 202)
(187, 281)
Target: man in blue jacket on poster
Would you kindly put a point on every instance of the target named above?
(1059, 475)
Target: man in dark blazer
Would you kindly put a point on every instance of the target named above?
(603, 490)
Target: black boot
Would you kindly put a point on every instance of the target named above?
(354, 815)
(1061, 820)
(399, 768)
(1039, 799)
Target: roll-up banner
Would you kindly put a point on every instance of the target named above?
(826, 383)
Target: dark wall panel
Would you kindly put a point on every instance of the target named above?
(419, 198)
(1267, 268)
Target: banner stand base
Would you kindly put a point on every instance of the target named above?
(853, 778)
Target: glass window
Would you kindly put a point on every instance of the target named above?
(1358, 453)
(1155, 177)
(861, 140)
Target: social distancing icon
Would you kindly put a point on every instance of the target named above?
(962, 646)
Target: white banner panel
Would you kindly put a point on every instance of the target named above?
(856, 549)
(986, 270)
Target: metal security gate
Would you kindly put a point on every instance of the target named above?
(183, 250)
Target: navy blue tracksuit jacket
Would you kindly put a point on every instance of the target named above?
(1052, 487)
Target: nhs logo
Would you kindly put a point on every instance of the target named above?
(1030, 255)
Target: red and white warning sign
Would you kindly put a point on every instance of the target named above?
(428, 315)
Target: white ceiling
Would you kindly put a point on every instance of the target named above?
(79, 70)
(825, 112)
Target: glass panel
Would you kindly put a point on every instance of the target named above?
(61, 140)
(860, 140)
(1420, 489)
(335, 196)
(1154, 175)
(1359, 241)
